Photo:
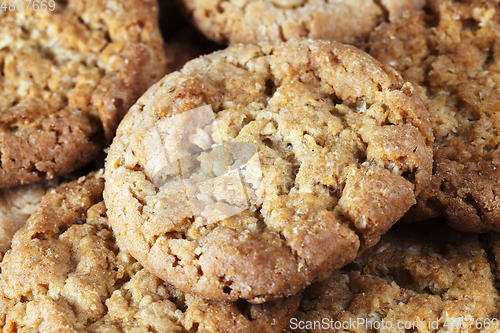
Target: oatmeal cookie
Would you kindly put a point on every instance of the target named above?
(66, 273)
(182, 41)
(346, 21)
(18, 203)
(421, 278)
(256, 170)
(451, 53)
(68, 76)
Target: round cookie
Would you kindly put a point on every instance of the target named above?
(347, 21)
(69, 73)
(451, 54)
(421, 278)
(256, 170)
(66, 273)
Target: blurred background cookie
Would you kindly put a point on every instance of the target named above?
(69, 74)
(422, 277)
(451, 53)
(341, 144)
(66, 272)
(183, 41)
(253, 21)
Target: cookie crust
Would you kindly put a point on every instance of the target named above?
(451, 54)
(68, 77)
(346, 21)
(340, 164)
(66, 273)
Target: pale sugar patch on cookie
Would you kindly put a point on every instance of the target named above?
(188, 153)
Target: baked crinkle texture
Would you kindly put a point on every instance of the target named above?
(66, 273)
(18, 203)
(344, 146)
(347, 21)
(451, 54)
(428, 278)
(67, 78)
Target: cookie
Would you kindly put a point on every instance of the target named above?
(450, 53)
(346, 21)
(66, 273)
(70, 71)
(421, 278)
(256, 170)
(18, 203)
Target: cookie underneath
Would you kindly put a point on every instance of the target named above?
(347, 21)
(450, 53)
(423, 278)
(66, 273)
(68, 76)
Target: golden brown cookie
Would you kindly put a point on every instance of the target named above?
(256, 170)
(451, 54)
(68, 76)
(66, 273)
(347, 21)
(424, 278)
(18, 203)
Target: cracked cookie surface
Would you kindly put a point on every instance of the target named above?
(66, 273)
(67, 78)
(450, 53)
(346, 21)
(425, 277)
(343, 145)
(18, 203)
